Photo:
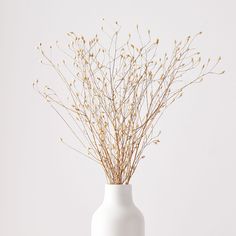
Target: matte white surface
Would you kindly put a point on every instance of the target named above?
(118, 215)
(185, 185)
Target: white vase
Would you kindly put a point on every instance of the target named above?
(118, 215)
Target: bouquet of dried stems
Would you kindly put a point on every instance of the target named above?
(114, 95)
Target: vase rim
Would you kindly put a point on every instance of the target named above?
(118, 186)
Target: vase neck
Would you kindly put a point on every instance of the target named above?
(118, 194)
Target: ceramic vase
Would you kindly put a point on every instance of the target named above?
(118, 215)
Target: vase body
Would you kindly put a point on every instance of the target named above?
(118, 215)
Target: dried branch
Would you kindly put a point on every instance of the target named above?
(116, 95)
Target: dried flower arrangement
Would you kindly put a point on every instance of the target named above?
(115, 95)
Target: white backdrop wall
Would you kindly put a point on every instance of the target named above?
(185, 186)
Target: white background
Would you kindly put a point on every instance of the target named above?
(186, 186)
